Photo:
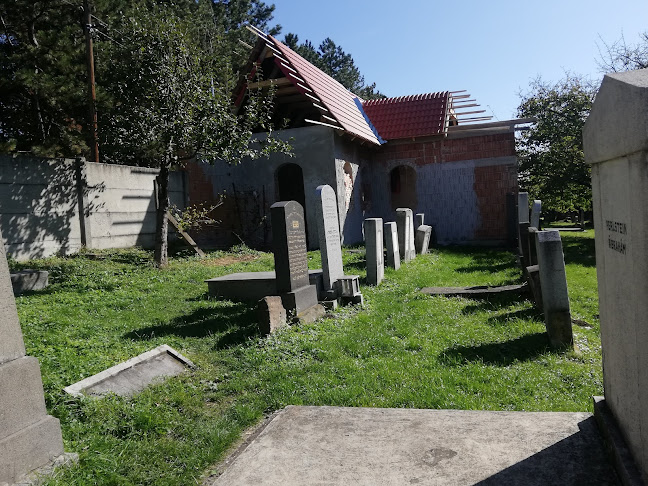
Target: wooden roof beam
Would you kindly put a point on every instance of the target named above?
(270, 82)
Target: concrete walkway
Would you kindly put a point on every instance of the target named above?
(369, 446)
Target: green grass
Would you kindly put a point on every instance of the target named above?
(404, 349)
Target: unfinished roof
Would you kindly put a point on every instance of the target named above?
(336, 106)
(410, 116)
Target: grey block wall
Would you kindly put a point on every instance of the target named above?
(40, 201)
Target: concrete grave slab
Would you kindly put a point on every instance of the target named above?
(369, 446)
(476, 292)
(252, 286)
(132, 376)
(29, 280)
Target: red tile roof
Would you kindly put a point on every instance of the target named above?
(340, 102)
(409, 116)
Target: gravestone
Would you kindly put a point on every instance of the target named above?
(391, 243)
(525, 258)
(553, 282)
(405, 224)
(291, 260)
(420, 220)
(616, 145)
(422, 239)
(535, 214)
(328, 229)
(29, 438)
(533, 251)
(523, 207)
(373, 229)
(271, 314)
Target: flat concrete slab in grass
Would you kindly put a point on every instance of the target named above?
(253, 286)
(134, 375)
(369, 446)
(476, 292)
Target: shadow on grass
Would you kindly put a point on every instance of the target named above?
(496, 302)
(579, 250)
(232, 326)
(525, 348)
(522, 314)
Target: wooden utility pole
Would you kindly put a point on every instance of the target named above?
(87, 27)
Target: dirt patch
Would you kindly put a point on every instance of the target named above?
(228, 260)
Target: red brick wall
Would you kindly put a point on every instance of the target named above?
(450, 150)
(492, 183)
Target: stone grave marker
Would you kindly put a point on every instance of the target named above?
(405, 224)
(29, 438)
(535, 214)
(422, 240)
(391, 243)
(525, 258)
(328, 229)
(420, 220)
(373, 229)
(523, 207)
(291, 260)
(615, 140)
(553, 282)
(271, 314)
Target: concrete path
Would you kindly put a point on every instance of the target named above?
(369, 446)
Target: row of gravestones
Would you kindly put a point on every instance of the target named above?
(542, 260)
(400, 239)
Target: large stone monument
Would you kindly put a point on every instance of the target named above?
(373, 231)
(291, 260)
(29, 438)
(328, 229)
(616, 145)
(405, 223)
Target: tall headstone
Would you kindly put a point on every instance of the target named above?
(391, 244)
(405, 223)
(420, 220)
(615, 141)
(523, 207)
(422, 239)
(553, 282)
(328, 229)
(373, 230)
(29, 438)
(291, 260)
(536, 209)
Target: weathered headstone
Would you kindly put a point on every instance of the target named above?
(533, 251)
(373, 229)
(391, 243)
(523, 207)
(533, 273)
(553, 282)
(422, 239)
(535, 214)
(291, 260)
(29, 438)
(615, 141)
(271, 314)
(328, 229)
(420, 220)
(405, 223)
(524, 244)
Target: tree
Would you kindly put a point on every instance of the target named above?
(332, 59)
(173, 81)
(552, 164)
(619, 56)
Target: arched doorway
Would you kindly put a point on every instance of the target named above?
(402, 180)
(289, 184)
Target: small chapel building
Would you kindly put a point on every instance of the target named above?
(378, 155)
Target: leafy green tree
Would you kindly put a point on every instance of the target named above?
(173, 81)
(332, 59)
(552, 164)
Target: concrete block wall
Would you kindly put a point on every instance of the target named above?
(55, 206)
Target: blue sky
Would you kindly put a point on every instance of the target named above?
(492, 49)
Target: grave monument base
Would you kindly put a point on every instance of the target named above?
(299, 300)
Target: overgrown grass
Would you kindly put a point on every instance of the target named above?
(404, 349)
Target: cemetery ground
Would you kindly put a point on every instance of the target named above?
(404, 349)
